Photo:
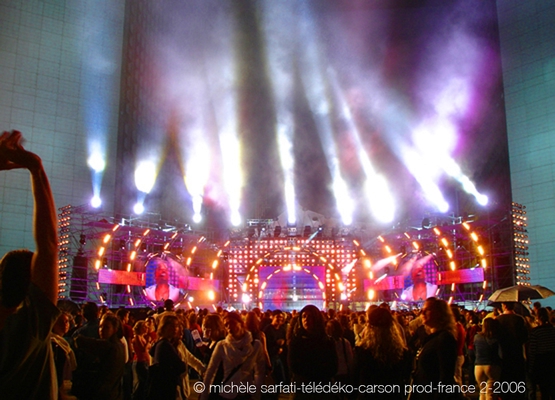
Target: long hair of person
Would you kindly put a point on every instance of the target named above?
(252, 323)
(235, 317)
(543, 316)
(383, 337)
(138, 327)
(334, 329)
(168, 321)
(215, 324)
(442, 315)
(490, 328)
(112, 319)
(319, 329)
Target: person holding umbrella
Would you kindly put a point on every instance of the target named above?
(514, 335)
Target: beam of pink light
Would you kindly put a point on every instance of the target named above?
(384, 262)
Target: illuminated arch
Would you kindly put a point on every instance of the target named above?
(131, 255)
(252, 276)
(444, 243)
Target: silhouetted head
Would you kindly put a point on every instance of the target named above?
(15, 277)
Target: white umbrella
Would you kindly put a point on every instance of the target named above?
(521, 293)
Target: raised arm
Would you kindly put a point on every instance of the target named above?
(44, 267)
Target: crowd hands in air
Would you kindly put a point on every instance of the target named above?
(437, 351)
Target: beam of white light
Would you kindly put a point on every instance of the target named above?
(275, 16)
(315, 89)
(202, 89)
(287, 163)
(421, 168)
(232, 174)
(380, 199)
(345, 204)
(434, 141)
(197, 218)
(99, 78)
(381, 278)
(453, 169)
(347, 268)
(448, 91)
(96, 158)
(384, 262)
(97, 162)
(197, 171)
(145, 176)
(435, 137)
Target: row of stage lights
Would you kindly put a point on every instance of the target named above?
(520, 244)
(64, 228)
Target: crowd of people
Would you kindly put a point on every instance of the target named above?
(438, 351)
(501, 354)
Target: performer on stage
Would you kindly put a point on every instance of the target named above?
(162, 290)
(420, 289)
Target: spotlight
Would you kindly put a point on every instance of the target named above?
(235, 218)
(96, 202)
(482, 200)
(245, 298)
(145, 176)
(138, 208)
(197, 218)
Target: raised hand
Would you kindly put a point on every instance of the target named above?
(13, 155)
